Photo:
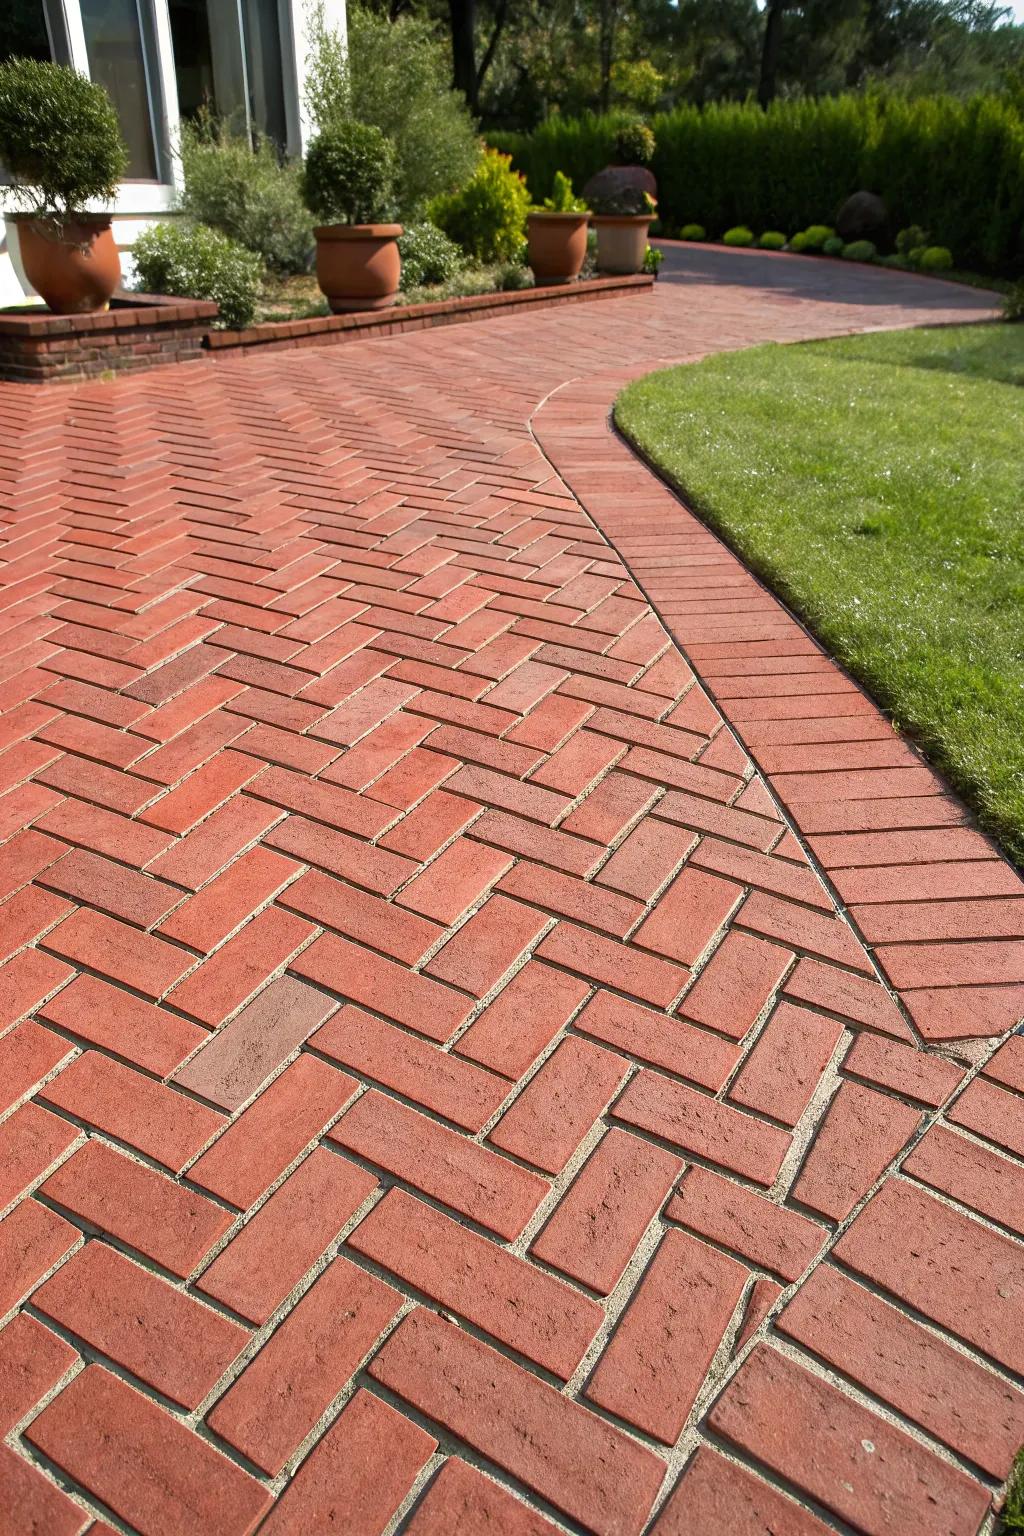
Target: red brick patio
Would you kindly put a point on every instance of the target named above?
(448, 1087)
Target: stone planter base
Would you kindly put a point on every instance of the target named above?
(139, 330)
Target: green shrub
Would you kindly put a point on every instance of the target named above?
(936, 258)
(815, 236)
(954, 164)
(196, 262)
(860, 250)
(563, 199)
(349, 175)
(739, 235)
(912, 239)
(486, 217)
(634, 145)
(653, 259)
(833, 247)
(693, 232)
(397, 76)
(428, 256)
(772, 240)
(513, 276)
(60, 141)
(798, 242)
(246, 192)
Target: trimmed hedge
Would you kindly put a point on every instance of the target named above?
(955, 166)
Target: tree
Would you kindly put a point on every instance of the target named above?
(771, 50)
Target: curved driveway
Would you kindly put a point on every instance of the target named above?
(469, 1064)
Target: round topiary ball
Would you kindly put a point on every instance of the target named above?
(936, 258)
(738, 235)
(772, 240)
(349, 174)
(693, 232)
(860, 250)
(60, 140)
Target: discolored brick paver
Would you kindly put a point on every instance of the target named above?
(470, 1059)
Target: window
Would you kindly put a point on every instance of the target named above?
(33, 29)
(208, 63)
(264, 66)
(116, 50)
(227, 60)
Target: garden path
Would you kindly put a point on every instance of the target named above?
(471, 1061)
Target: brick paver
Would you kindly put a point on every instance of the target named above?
(477, 1051)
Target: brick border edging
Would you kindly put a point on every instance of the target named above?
(575, 431)
(323, 330)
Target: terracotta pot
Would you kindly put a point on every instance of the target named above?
(556, 246)
(621, 241)
(358, 265)
(73, 264)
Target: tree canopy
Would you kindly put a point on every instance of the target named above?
(517, 61)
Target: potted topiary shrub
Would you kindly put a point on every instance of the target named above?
(556, 235)
(62, 148)
(622, 220)
(347, 185)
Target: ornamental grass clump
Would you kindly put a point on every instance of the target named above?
(247, 191)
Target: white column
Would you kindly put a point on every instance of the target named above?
(75, 32)
(295, 38)
(168, 87)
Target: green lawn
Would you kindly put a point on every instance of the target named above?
(877, 484)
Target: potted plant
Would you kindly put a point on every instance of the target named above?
(347, 185)
(556, 235)
(622, 220)
(62, 148)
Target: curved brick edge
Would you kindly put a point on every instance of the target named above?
(896, 844)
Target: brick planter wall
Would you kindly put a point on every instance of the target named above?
(324, 330)
(138, 331)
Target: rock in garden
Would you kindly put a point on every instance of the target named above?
(863, 216)
(619, 178)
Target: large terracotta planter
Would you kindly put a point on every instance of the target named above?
(556, 246)
(358, 265)
(621, 241)
(73, 264)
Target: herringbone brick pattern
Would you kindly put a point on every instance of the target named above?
(440, 1090)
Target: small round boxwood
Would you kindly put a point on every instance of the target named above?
(860, 250)
(428, 256)
(634, 145)
(349, 174)
(739, 235)
(59, 138)
(936, 258)
(772, 240)
(815, 235)
(833, 247)
(193, 261)
(693, 232)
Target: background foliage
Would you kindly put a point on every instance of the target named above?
(955, 166)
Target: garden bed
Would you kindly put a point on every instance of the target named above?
(321, 330)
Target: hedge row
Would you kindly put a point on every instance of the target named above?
(954, 166)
